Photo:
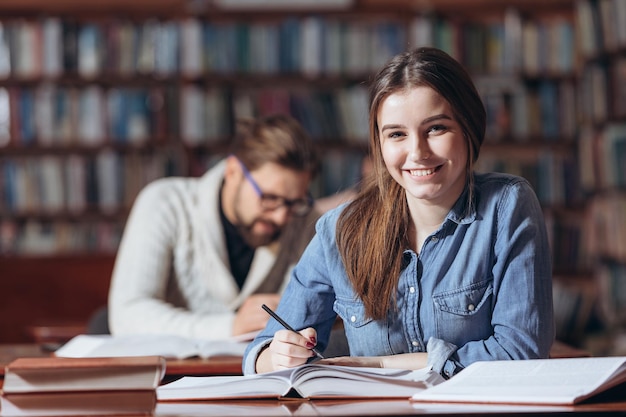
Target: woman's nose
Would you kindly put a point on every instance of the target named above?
(419, 149)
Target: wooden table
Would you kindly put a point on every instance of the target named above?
(218, 365)
(347, 408)
(614, 403)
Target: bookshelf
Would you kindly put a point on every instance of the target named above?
(602, 153)
(117, 94)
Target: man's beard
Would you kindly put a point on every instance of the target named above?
(255, 240)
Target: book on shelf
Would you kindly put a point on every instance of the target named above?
(79, 404)
(535, 381)
(167, 346)
(52, 374)
(306, 381)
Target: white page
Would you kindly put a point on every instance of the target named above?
(547, 381)
(168, 346)
(309, 380)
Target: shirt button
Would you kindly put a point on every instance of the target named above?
(353, 319)
(471, 307)
(434, 239)
(415, 343)
(412, 290)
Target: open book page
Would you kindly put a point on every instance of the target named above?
(306, 381)
(168, 346)
(535, 381)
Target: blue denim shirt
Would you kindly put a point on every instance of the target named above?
(480, 289)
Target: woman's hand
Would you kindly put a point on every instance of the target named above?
(287, 350)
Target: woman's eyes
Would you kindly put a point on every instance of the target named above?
(436, 129)
(431, 130)
(396, 134)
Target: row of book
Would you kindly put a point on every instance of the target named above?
(611, 278)
(310, 45)
(552, 173)
(603, 91)
(108, 180)
(601, 155)
(49, 115)
(57, 116)
(58, 237)
(574, 302)
(600, 25)
(607, 233)
(545, 109)
(568, 235)
(101, 235)
(105, 181)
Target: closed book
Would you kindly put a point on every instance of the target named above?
(52, 374)
(82, 403)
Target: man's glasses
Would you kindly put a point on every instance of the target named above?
(298, 207)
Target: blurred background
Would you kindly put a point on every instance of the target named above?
(98, 98)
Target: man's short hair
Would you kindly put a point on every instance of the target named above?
(279, 139)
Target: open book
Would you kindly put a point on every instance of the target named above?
(306, 381)
(533, 381)
(168, 346)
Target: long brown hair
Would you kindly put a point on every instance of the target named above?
(372, 230)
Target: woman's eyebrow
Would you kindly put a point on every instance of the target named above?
(395, 126)
(436, 117)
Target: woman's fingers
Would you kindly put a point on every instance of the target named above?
(289, 349)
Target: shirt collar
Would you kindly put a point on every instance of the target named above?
(459, 212)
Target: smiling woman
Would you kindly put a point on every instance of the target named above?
(425, 151)
(431, 263)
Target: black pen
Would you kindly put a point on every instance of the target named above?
(288, 327)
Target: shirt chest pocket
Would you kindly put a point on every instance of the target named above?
(366, 337)
(464, 314)
(352, 313)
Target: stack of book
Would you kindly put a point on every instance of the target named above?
(81, 386)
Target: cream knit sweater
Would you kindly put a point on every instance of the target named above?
(172, 275)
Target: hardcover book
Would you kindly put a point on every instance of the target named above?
(51, 374)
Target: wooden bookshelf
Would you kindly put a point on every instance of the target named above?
(168, 135)
(602, 156)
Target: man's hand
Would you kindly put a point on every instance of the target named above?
(251, 317)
